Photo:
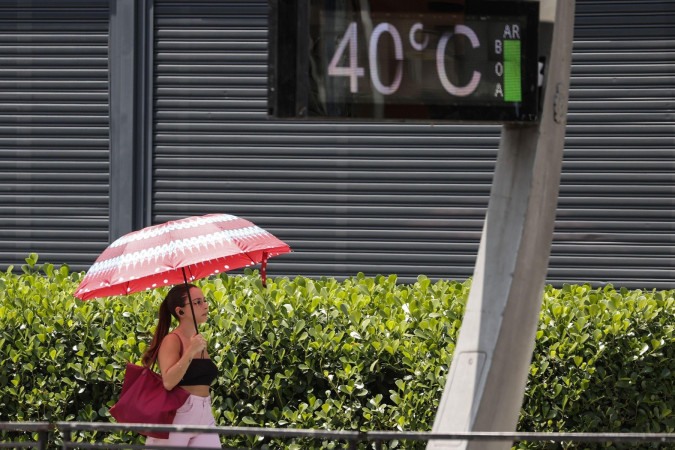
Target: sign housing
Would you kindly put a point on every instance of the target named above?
(404, 60)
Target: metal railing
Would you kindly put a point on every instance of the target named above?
(43, 429)
(351, 439)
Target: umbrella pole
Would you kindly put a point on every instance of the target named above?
(263, 269)
(192, 308)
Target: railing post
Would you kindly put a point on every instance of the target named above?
(67, 437)
(43, 437)
(353, 444)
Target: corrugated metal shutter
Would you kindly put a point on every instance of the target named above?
(383, 198)
(53, 131)
(405, 199)
(616, 214)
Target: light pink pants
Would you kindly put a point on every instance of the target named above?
(195, 411)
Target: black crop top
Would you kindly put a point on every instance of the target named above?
(201, 371)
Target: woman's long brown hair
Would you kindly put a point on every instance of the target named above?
(177, 296)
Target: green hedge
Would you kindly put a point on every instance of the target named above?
(361, 354)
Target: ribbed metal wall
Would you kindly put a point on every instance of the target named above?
(616, 214)
(405, 199)
(411, 199)
(53, 130)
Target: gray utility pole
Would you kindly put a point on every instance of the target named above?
(485, 387)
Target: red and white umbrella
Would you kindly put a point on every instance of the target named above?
(178, 251)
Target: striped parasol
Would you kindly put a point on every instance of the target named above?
(178, 251)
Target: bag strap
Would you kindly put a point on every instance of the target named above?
(180, 354)
(180, 341)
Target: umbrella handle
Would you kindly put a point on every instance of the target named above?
(192, 308)
(263, 269)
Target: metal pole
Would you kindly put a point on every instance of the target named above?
(187, 288)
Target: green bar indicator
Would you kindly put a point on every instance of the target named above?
(512, 83)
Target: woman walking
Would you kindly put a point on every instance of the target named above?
(184, 362)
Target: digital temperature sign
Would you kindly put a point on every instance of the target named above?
(458, 60)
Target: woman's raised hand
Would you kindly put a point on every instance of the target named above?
(197, 345)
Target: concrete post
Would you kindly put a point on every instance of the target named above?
(486, 383)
